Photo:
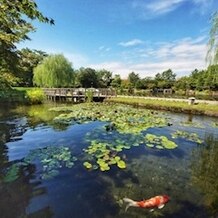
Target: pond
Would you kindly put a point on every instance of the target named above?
(82, 160)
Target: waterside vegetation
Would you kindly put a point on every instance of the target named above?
(175, 106)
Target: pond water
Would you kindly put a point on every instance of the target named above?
(64, 162)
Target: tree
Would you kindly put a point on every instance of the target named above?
(133, 79)
(104, 78)
(182, 83)
(29, 59)
(54, 71)
(212, 54)
(116, 82)
(166, 79)
(86, 78)
(211, 78)
(149, 83)
(15, 24)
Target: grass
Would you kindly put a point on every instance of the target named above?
(175, 106)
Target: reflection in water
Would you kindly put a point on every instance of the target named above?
(205, 173)
(15, 196)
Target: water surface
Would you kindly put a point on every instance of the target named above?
(188, 173)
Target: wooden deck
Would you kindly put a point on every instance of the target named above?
(77, 94)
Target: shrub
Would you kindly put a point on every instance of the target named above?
(89, 96)
(35, 96)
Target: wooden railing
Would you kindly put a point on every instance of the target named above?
(77, 92)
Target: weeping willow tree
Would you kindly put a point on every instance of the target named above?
(54, 71)
(212, 54)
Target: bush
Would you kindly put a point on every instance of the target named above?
(35, 96)
(89, 96)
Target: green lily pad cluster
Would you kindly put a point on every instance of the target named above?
(124, 119)
(189, 136)
(160, 142)
(103, 155)
(51, 158)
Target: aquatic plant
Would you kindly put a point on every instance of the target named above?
(159, 142)
(103, 155)
(124, 119)
(51, 159)
(186, 135)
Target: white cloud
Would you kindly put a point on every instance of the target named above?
(76, 59)
(161, 7)
(154, 8)
(182, 56)
(116, 67)
(104, 49)
(132, 42)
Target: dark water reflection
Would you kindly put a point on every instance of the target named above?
(188, 173)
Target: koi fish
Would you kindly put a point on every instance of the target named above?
(151, 203)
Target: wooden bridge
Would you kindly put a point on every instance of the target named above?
(78, 94)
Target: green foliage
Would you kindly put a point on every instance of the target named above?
(212, 54)
(104, 78)
(166, 79)
(29, 59)
(51, 158)
(89, 96)
(15, 22)
(102, 156)
(200, 108)
(35, 96)
(86, 78)
(54, 71)
(159, 142)
(189, 136)
(116, 82)
(123, 119)
(133, 79)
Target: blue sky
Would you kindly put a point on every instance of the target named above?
(144, 36)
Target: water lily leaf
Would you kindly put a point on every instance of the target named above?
(150, 145)
(87, 165)
(159, 142)
(159, 147)
(187, 135)
(121, 164)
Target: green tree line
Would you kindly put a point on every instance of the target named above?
(28, 67)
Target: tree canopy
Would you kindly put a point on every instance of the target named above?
(15, 24)
(54, 71)
(86, 78)
(28, 60)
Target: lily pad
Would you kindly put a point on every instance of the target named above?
(159, 142)
(87, 165)
(186, 135)
(121, 164)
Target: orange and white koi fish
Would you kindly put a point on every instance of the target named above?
(155, 202)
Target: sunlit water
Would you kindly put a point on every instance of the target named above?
(188, 174)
